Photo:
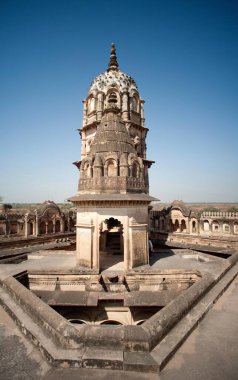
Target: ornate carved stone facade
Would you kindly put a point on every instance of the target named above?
(113, 168)
(122, 87)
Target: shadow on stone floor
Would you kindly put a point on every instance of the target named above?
(160, 255)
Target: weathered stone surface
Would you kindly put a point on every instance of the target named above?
(139, 361)
(159, 324)
(100, 358)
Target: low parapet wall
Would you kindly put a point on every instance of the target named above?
(220, 242)
(19, 241)
(135, 338)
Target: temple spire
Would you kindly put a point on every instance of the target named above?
(113, 64)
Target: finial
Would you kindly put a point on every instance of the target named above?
(113, 64)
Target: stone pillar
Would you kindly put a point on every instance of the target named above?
(46, 228)
(36, 224)
(139, 251)
(26, 226)
(62, 225)
(100, 107)
(95, 243)
(103, 240)
(84, 243)
(84, 112)
(126, 250)
(5, 227)
(83, 148)
(124, 168)
(142, 102)
(125, 106)
(53, 226)
(188, 227)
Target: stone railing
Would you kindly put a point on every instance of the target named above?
(220, 214)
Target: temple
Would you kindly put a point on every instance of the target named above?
(113, 193)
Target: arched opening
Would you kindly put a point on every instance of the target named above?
(87, 171)
(42, 228)
(134, 104)
(91, 104)
(13, 228)
(57, 226)
(30, 231)
(206, 226)
(176, 226)
(2, 229)
(111, 244)
(140, 322)
(71, 224)
(194, 228)
(235, 228)
(183, 226)
(226, 228)
(135, 170)
(215, 226)
(65, 225)
(111, 168)
(111, 322)
(50, 227)
(77, 321)
(162, 225)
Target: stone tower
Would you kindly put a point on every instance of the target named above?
(112, 200)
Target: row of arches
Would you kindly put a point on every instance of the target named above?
(106, 322)
(174, 226)
(220, 227)
(49, 227)
(107, 312)
(32, 228)
(111, 168)
(194, 226)
(100, 101)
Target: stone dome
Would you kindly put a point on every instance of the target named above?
(113, 77)
(118, 79)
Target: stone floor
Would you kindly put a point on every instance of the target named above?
(210, 352)
(161, 259)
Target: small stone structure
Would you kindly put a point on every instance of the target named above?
(46, 219)
(196, 224)
(112, 199)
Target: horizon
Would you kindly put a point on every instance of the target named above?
(183, 57)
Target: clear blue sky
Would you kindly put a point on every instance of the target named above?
(184, 58)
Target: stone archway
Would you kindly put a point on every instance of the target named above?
(30, 228)
(42, 228)
(194, 226)
(176, 226)
(111, 243)
(50, 227)
(183, 227)
(57, 226)
(110, 322)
